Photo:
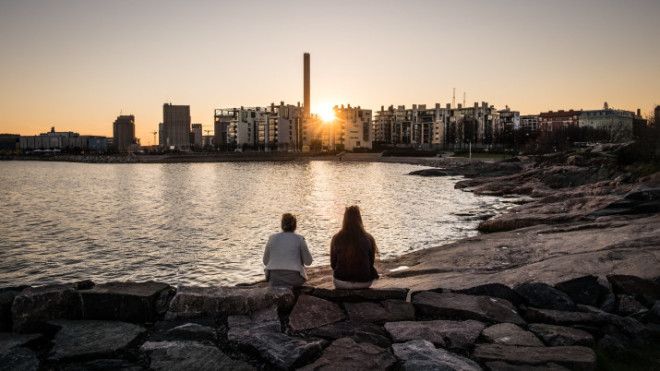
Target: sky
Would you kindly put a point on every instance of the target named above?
(76, 65)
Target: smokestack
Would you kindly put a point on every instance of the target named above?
(306, 83)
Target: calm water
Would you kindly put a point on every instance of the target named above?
(207, 223)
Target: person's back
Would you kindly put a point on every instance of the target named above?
(286, 255)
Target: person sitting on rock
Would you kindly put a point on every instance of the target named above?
(353, 253)
(286, 255)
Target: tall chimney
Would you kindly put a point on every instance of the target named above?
(306, 83)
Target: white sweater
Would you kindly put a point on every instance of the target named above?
(288, 251)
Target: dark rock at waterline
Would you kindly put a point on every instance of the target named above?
(510, 334)
(639, 202)
(311, 312)
(423, 355)
(103, 365)
(36, 305)
(495, 290)
(385, 311)
(6, 300)
(359, 295)
(363, 332)
(88, 338)
(429, 172)
(188, 356)
(443, 333)
(460, 306)
(584, 290)
(346, 354)
(19, 359)
(541, 295)
(646, 291)
(553, 335)
(574, 357)
(137, 302)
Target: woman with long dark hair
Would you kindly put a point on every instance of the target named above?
(353, 253)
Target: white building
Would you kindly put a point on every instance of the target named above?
(353, 128)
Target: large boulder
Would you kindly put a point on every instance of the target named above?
(346, 354)
(380, 312)
(7, 296)
(10, 341)
(311, 312)
(87, 338)
(343, 295)
(363, 332)
(541, 295)
(567, 318)
(460, 306)
(191, 302)
(555, 336)
(584, 290)
(495, 290)
(646, 291)
(510, 334)
(189, 355)
(137, 302)
(19, 359)
(423, 355)
(444, 333)
(573, 357)
(36, 305)
(429, 172)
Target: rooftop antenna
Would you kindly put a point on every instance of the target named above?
(453, 99)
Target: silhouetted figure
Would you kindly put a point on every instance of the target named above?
(353, 253)
(286, 255)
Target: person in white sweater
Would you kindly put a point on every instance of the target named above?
(286, 256)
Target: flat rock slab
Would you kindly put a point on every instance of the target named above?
(584, 290)
(495, 290)
(559, 317)
(360, 295)
(311, 312)
(573, 357)
(19, 359)
(645, 291)
(193, 332)
(444, 333)
(188, 356)
(92, 338)
(504, 366)
(554, 335)
(463, 307)
(137, 302)
(510, 334)
(363, 332)
(423, 355)
(346, 354)
(36, 305)
(103, 365)
(380, 312)
(191, 302)
(10, 340)
(541, 295)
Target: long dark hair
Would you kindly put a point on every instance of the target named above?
(352, 237)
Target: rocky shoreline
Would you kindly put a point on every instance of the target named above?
(581, 324)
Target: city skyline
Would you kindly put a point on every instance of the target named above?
(103, 59)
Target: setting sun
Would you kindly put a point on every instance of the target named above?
(326, 112)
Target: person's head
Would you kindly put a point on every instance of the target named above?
(352, 220)
(288, 222)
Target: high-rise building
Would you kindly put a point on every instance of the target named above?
(197, 135)
(123, 133)
(306, 87)
(176, 122)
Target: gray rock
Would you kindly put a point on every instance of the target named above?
(510, 334)
(346, 354)
(103, 365)
(385, 311)
(193, 332)
(191, 302)
(311, 312)
(19, 359)
(655, 312)
(573, 357)
(9, 340)
(7, 296)
(429, 172)
(92, 338)
(189, 355)
(137, 302)
(36, 305)
(495, 290)
(360, 295)
(423, 355)
(646, 291)
(503, 366)
(363, 332)
(584, 290)
(541, 295)
(558, 317)
(444, 333)
(460, 306)
(627, 305)
(554, 335)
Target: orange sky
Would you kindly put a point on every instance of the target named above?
(76, 65)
